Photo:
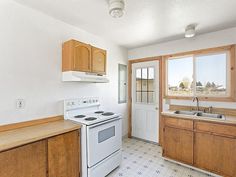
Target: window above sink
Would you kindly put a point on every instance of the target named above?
(208, 74)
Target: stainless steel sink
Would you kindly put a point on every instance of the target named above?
(201, 114)
(185, 112)
(209, 115)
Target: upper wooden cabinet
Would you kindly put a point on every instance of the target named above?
(25, 161)
(98, 60)
(82, 57)
(78, 56)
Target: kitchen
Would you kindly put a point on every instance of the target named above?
(38, 88)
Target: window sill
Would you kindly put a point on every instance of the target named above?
(218, 99)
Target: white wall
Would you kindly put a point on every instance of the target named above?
(30, 66)
(214, 39)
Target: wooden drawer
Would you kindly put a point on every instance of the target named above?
(216, 128)
(178, 123)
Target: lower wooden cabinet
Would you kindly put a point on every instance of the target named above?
(215, 153)
(178, 144)
(25, 161)
(57, 156)
(63, 155)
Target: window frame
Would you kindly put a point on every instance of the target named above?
(231, 75)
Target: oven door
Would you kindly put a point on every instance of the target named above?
(103, 139)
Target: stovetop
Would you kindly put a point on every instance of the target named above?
(93, 118)
(86, 111)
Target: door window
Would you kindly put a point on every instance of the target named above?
(145, 92)
(106, 134)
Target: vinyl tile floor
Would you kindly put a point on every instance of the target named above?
(142, 159)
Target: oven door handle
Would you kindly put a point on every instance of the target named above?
(105, 122)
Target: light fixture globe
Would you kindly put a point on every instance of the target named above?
(190, 31)
(116, 8)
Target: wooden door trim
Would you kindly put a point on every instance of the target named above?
(130, 62)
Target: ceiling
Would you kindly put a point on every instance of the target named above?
(145, 21)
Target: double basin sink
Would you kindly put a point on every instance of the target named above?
(201, 114)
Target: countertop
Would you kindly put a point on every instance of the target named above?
(21, 136)
(227, 120)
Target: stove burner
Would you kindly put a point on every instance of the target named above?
(99, 112)
(90, 118)
(80, 116)
(108, 114)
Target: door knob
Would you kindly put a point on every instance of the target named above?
(156, 108)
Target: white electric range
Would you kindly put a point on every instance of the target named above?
(101, 135)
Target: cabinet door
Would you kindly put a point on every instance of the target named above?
(178, 144)
(98, 60)
(82, 57)
(24, 161)
(64, 155)
(215, 153)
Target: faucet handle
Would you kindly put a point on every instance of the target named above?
(210, 109)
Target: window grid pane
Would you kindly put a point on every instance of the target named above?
(145, 85)
(180, 76)
(210, 75)
(214, 83)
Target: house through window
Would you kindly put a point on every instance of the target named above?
(145, 85)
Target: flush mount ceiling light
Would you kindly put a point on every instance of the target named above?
(190, 31)
(116, 8)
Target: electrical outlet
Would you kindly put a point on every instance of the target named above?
(20, 104)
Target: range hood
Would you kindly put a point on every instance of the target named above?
(76, 76)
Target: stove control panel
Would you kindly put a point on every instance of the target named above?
(81, 102)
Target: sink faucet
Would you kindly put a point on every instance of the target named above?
(196, 98)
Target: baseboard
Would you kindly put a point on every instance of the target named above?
(124, 136)
(192, 167)
(145, 140)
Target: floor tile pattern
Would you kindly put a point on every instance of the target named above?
(142, 159)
